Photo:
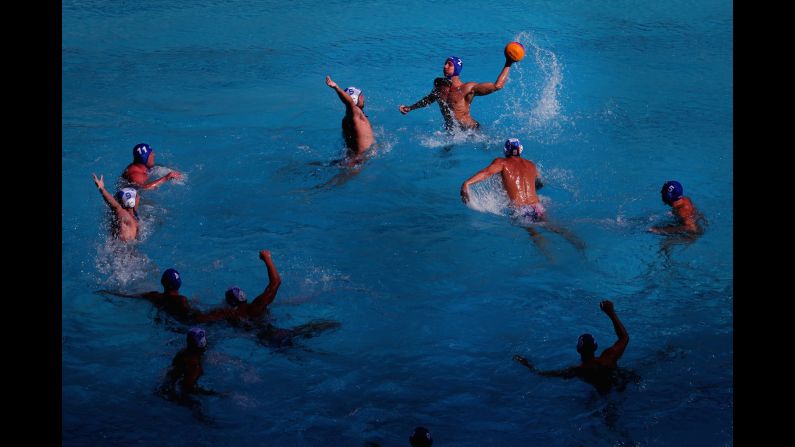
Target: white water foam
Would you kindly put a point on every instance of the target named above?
(536, 106)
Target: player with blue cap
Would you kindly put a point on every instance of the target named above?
(671, 192)
(521, 180)
(598, 371)
(238, 307)
(458, 64)
(170, 300)
(137, 172)
(455, 96)
(183, 375)
(171, 280)
(513, 147)
(687, 217)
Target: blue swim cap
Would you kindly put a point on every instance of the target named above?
(197, 337)
(586, 342)
(126, 197)
(141, 153)
(671, 191)
(235, 296)
(458, 64)
(513, 147)
(171, 280)
(421, 437)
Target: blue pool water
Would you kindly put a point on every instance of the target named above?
(434, 297)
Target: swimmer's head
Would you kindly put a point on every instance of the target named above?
(197, 338)
(356, 95)
(421, 437)
(513, 147)
(126, 197)
(453, 66)
(586, 344)
(142, 154)
(171, 280)
(671, 191)
(235, 296)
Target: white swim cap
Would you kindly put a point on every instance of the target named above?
(126, 196)
(354, 92)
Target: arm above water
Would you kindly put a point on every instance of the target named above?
(344, 97)
(495, 167)
(274, 281)
(112, 203)
(430, 98)
(148, 295)
(486, 88)
(613, 353)
(566, 373)
(155, 183)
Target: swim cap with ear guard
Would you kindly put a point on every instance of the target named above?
(197, 337)
(458, 64)
(587, 343)
(671, 191)
(171, 280)
(513, 147)
(141, 153)
(354, 93)
(126, 197)
(420, 437)
(235, 296)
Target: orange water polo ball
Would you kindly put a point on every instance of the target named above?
(514, 51)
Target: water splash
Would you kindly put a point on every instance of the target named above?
(147, 216)
(318, 281)
(489, 196)
(459, 136)
(384, 141)
(541, 121)
(560, 178)
(158, 171)
(122, 263)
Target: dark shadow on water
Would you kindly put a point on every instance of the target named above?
(348, 169)
(281, 339)
(543, 244)
(168, 392)
(671, 242)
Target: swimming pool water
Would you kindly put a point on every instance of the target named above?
(434, 297)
